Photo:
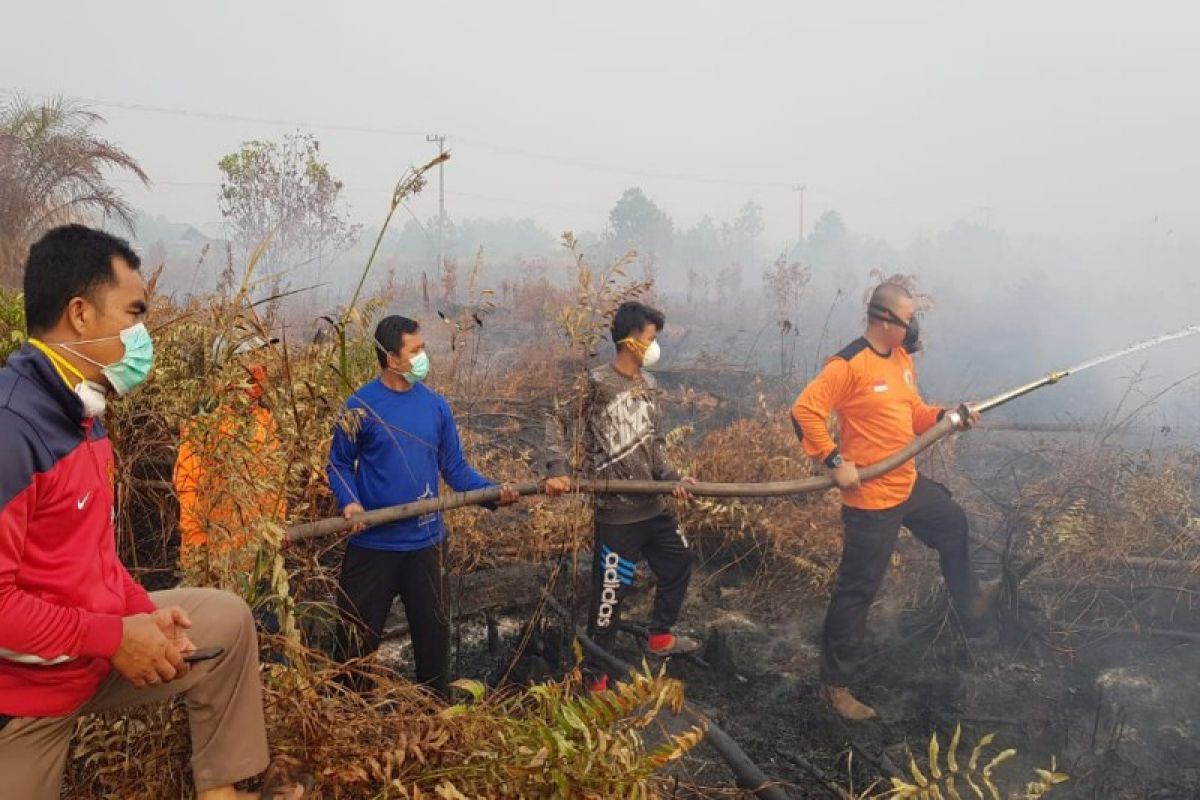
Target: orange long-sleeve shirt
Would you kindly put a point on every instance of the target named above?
(879, 411)
(228, 478)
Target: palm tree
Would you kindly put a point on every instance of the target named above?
(53, 171)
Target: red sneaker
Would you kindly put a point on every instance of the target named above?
(668, 644)
(599, 685)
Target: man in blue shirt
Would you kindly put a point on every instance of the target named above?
(397, 441)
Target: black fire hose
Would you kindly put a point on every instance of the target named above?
(748, 774)
(382, 516)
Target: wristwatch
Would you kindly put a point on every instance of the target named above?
(834, 460)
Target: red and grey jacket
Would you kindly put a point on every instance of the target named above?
(63, 591)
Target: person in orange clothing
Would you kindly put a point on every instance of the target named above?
(872, 387)
(229, 476)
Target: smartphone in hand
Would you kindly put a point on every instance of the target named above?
(202, 654)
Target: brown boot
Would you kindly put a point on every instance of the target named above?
(978, 618)
(847, 706)
(985, 599)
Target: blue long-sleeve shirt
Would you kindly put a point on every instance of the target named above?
(404, 441)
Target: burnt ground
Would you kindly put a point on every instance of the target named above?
(1122, 716)
(1119, 712)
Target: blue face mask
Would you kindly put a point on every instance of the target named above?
(134, 367)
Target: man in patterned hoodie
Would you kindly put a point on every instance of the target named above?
(620, 424)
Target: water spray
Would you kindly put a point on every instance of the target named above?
(949, 423)
(1056, 376)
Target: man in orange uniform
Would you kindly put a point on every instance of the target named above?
(229, 475)
(872, 386)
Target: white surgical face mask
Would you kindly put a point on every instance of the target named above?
(94, 398)
(653, 353)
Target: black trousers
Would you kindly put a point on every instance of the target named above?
(370, 582)
(615, 554)
(932, 515)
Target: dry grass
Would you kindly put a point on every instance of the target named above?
(549, 741)
(798, 539)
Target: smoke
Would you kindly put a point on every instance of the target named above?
(1003, 309)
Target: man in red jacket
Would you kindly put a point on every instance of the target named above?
(77, 634)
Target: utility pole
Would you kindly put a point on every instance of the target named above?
(801, 188)
(440, 139)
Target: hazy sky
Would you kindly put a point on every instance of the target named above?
(1072, 118)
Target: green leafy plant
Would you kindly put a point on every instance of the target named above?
(571, 744)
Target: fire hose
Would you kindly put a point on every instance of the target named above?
(491, 494)
(382, 516)
(944, 427)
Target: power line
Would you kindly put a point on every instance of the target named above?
(481, 143)
(223, 117)
(386, 191)
(642, 173)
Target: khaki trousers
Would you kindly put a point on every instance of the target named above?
(224, 705)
